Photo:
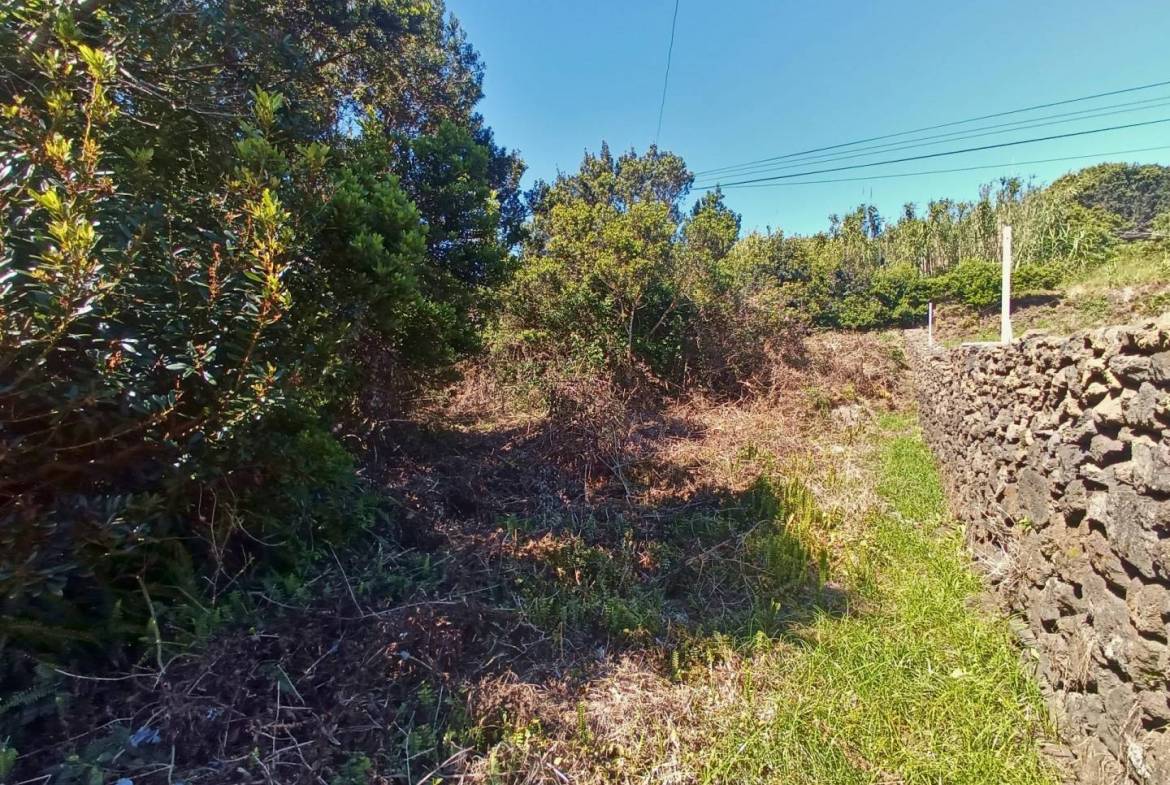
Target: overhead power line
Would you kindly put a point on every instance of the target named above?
(953, 136)
(1053, 137)
(946, 171)
(950, 124)
(666, 79)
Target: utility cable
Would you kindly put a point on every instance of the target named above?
(925, 156)
(666, 79)
(947, 171)
(954, 123)
(953, 136)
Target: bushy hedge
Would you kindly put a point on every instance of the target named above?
(192, 271)
(897, 295)
(615, 279)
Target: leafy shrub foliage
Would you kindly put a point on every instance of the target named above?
(1137, 195)
(973, 282)
(192, 264)
(615, 278)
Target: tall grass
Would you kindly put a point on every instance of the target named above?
(1131, 264)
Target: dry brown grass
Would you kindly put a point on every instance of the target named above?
(629, 724)
(425, 626)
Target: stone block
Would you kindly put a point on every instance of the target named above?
(1034, 497)
(1131, 368)
(1155, 704)
(1105, 449)
(1141, 409)
(1157, 757)
(1084, 429)
(1151, 466)
(1121, 704)
(1160, 367)
(1129, 525)
(1149, 608)
(1103, 560)
(1109, 408)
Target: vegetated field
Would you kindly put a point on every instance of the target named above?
(1134, 282)
(330, 455)
(714, 591)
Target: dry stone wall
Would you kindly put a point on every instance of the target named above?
(1057, 457)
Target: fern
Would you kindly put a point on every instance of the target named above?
(22, 707)
(24, 699)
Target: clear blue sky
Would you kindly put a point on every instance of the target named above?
(754, 78)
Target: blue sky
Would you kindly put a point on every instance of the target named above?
(752, 78)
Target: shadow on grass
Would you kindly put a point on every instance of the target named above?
(499, 566)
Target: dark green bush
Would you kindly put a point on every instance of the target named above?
(194, 276)
(974, 282)
(134, 346)
(897, 297)
(1039, 277)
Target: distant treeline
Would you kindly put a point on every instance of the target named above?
(867, 272)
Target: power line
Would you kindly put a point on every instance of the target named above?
(666, 79)
(946, 153)
(951, 137)
(950, 124)
(926, 141)
(946, 171)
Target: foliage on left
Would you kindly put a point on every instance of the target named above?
(210, 211)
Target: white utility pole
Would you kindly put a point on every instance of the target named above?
(1005, 313)
(930, 324)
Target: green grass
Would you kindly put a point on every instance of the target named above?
(1132, 284)
(914, 685)
(1132, 264)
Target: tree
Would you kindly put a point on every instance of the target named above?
(614, 276)
(604, 240)
(211, 212)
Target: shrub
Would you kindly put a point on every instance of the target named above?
(1039, 277)
(1160, 229)
(186, 298)
(135, 342)
(1134, 193)
(590, 424)
(974, 282)
(895, 296)
(616, 280)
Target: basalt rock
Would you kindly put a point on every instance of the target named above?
(1057, 460)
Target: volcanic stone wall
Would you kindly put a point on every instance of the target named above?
(1057, 457)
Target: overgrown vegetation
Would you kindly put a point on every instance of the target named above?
(210, 232)
(615, 279)
(867, 272)
(327, 455)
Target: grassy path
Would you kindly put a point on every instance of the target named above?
(816, 621)
(914, 685)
